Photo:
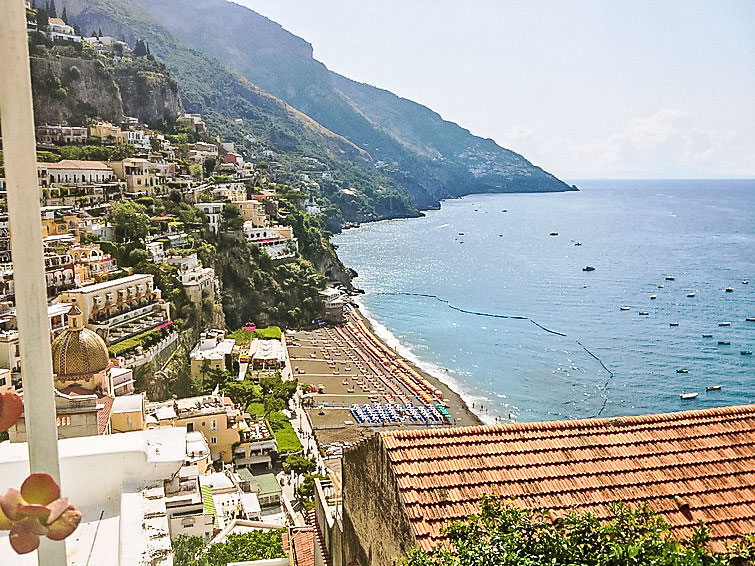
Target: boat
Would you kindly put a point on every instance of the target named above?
(673, 324)
(461, 233)
(724, 324)
(750, 319)
(577, 243)
(724, 342)
(588, 268)
(707, 335)
(688, 396)
(623, 308)
(691, 294)
(746, 352)
(660, 286)
(682, 371)
(504, 210)
(554, 233)
(729, 290)
(713, 388)
(644, 313)
(669, 277)
(745, 281)
(653, 296)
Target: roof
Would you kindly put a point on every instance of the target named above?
(303, 545)
(267, 484)
(76, 164)
(704, 459)
(128, 404)
(245, 475)
(121, 281)
(103, 415)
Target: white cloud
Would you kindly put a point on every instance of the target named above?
(666, 144)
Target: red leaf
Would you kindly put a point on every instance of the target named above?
(11, 407)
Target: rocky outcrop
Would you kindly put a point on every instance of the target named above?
(149, 95)
(72, 89)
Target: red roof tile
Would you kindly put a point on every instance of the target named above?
(703, 458)
(103, 415)
(303, 546)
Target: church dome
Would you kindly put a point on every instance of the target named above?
(78, 350)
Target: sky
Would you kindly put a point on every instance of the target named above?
(606, 89)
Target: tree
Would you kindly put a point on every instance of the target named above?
(52, 10)
(299, 464)
(130, 221)
(504, 535)
(272, 404)
(43, 19)
(64, 15)
(256, 545)
(209, 165)
(231, 219)
(140, 49)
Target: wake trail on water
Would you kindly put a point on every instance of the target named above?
(513, 317)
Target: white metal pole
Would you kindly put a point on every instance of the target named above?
(25, 222)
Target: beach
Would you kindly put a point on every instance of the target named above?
(348, 364)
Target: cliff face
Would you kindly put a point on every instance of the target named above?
(149, 95)
(72, 89)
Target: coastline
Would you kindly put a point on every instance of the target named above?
(451, 391)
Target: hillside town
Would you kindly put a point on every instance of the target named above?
(221, 399)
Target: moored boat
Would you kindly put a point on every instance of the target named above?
(691, 294)
(746, 352)
(669, 277)
(682, 371)
(745, 281)
(554, 233)
(724, 324)
(707, 335)
(729, 290)
(660, 286)
(653, 296)
(644, 313)
(687, 396)
(724, 342)
(750, 319)
(623, 308)
(588, 268)
(713, 388)
(673, 324)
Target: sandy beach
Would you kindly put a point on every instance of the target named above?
(349, 364)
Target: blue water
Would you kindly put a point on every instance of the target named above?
(634, 233)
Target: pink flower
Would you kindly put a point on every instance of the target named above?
(11, 407)
(37, 510)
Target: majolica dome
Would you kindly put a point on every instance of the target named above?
(78, 350)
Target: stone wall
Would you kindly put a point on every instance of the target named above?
(376, 526)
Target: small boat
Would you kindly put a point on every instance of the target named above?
(746, 352)
(713, 388)
(691, 294)
(653, 296)
(682, 371)
(577, 243)
(745, 281)
(669, 277)
(461, 233)
(750, 319)
(554, 233)
(688, 396)
(504, 210)
(707, 335)
(724, 324)
(623, 308)
(588, 268)
(644, 313)
(660, 286)
(673, 324)
(724, 342)
(729, 290)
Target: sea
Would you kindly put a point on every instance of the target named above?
(490, 295)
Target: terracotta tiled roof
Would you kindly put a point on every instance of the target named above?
(704, 459)
(303, 543)
(76, 164)
(103, 415)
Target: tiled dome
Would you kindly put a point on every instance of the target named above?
(78, 350)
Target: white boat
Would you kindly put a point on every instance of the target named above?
(673, 324)
(653, 296)
(745, 281)
(687, 396)
(660, 286)
(644, 313)
(724, 324)
(624, 308)
(713, 388)
(669, 277)
(691, 294)
(729, 290)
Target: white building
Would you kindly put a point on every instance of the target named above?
(57, 29)
(117, 482)
(213, 350)
(214, 212)
(193, 277)
(277, 241)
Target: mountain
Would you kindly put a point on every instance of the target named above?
(241, 112)
(430, 157)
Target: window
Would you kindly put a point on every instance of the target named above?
(189, 427)
(213, 440)
(213, 424)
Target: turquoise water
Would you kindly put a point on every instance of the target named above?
(575, 354)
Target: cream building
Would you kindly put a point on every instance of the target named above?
(139, 174)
